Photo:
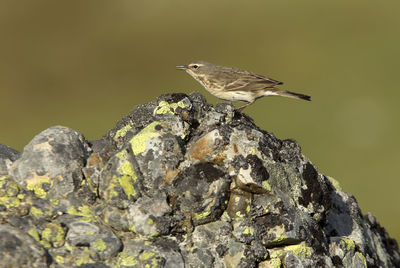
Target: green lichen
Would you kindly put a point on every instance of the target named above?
(59, 259)
(146, 255)
(279, 239)
(248, 208)
(300, 250)
(266, 185)
(46, 234)
(126, 168)
(248, 230)
(165, 107)
(362, 257)
(54, 201)
(85, 258)
(155, 234)
(239, 215)
(280, 236)
(126, 183)
(12, 189)
(201, 216)
(122, 132)
(275, 263)
(84, 211)
(150, 222)
(36, 184)
(128, 177)
(185, 127)
(68, 247)
(126, 260)
(34, 233)
(2, 180)
(99, 244)
(138, 142)
(348, 243)
(35, 211)
(10, 201)
(45, 243)
(54, 234)
(335, 183)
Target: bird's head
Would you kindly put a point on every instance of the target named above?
(197, 68)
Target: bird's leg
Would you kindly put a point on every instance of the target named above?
(244, 106)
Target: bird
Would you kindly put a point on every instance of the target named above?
(232, 84)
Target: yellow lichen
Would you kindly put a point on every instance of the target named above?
(266, 185)
(84, 211)
(335, 183)
(138, 142)
(122, 132)
(248, 230)
(200, 216)
(348, 243)
(54, 201)
(126, 260)
(129, 177)
(35, 184)
(35, 211)
(362, 257)
(53, 233)
(99, 244)
(165, 107)
(126, 184)
(300, 250)
(146, 255)
(34, 233)
(59, 259)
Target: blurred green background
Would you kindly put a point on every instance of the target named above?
(85, 64)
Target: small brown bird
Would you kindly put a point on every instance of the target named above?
(233, 84)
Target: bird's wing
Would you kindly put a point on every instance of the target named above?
(247, 81)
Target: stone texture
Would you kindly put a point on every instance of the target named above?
(7, 157)
(179, 183)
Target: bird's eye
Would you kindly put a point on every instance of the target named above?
(195, 66)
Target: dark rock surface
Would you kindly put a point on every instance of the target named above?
(179, 183)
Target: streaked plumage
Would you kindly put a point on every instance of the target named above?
(233, 84)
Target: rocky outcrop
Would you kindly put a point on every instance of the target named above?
(179, 183)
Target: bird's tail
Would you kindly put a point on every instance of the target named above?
(293, 95)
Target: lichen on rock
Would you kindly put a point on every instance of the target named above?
(179, 183)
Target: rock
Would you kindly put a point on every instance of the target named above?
(19, 249)
(7, 157)
(179, 183)
(51, 164)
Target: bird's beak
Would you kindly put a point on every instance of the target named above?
(181, 67)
